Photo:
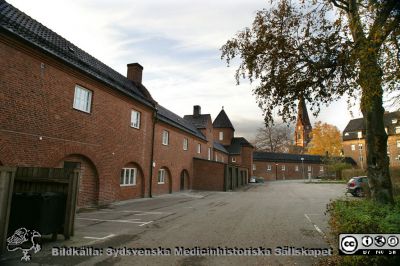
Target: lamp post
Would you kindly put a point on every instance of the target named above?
(302, 165)
(360, 157)
(276, 171)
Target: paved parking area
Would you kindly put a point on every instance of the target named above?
(270, 215)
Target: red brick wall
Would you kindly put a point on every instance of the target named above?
(247, 159)
(220, 157)
(208, 175)
(39, 127)
(228, 135)
(290, 172)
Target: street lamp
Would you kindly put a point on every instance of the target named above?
(276, 171)
(360, 157)
(302, 165)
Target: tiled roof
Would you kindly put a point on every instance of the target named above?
(236, 145)
(18, 24)
(174, 120)
(222, 121)
(220, 147)
(293, 158)
(200, 121)
(356, 125)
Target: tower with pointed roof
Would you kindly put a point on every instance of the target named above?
(223, 128)
(302, 135)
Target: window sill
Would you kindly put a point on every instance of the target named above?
(161, 183)
(127, 185)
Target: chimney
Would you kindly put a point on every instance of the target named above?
(135, 71)
(196, 110)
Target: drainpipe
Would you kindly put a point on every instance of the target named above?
(152, 152)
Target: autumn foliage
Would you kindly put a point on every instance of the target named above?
(325, 138)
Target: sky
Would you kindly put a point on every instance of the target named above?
(178, 43)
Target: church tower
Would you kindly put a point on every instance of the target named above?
(303, 126)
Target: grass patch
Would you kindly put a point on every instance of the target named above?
(362, 217)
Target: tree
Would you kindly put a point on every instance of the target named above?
(273, 138)
(325, 139)
(323, 50)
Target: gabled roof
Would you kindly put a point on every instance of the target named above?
(222, 121)
(175, 120)
(17, 24)
(293, 158)
(218, 146)
(200, 121)
(356, 125)
(237, 144)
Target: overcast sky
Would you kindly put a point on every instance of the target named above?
(177, 42)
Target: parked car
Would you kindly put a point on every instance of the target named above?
(253, 179)
(356, 186)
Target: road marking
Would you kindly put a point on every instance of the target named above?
(315, 226)
(133, 212)
(116, 221)
(98, 238)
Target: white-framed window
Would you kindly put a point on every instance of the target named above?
(321, 168)
(360, 146)
(386, 130)
(353, 147)
(398, 157)
(360, 158)
(233, 159)
(398, 143)
(309, 168)
(296, 168)
(359, 134)
(128, 177)
(268, 167)
(185, 144)
(254, 167)
(82, 99)
(198, 148)
(283, 167)
(216, 156)
(135, 119)
(394, 120)
(397, 130)
(165, 137)
(209, 153)
(221, 135)
(161, 176)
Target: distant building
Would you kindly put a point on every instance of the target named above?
(302, 135)
(354, 139)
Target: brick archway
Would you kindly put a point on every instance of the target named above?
(184, 180)
(132, 191)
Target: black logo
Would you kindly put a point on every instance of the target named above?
(367, 241)
(380, 241)
(25, 240)
(349, 244)
(393, 241)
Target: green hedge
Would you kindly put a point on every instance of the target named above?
(359, 217)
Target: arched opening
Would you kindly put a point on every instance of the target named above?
(164, 181)
(185, 180)
(88, 192)
(131, 181)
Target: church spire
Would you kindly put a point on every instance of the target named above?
(303, 125)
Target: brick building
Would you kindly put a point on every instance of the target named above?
(354, 139)
(61, 107)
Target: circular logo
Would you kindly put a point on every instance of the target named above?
(367, 241)
(349, 244)
(393, 241)
(380, 241)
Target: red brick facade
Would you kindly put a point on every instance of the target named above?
(271, 171)
(209, 175)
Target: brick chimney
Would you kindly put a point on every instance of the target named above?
(196, 110)
(135, 71)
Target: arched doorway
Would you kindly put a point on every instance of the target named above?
(88, 192)
(164, 181)
(185, 180)
(131, 181)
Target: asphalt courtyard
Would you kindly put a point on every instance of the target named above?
(260, 217)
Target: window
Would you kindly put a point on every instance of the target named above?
(359, 134)
(233, 159)
(296, 168)
(222, 159)
(199, 148)
(135, 119)
(254, 167)
(321, 168)
(165, 137)
(353, 147)
(268, 167)
(72, 165)
(398, 143)
(394, 121)
(185, 144)
(128, 177)
(386, 130)
(346, 134)
(360, 158)
(221, 135)
(360, 147)
(283, 167)
(82, 99)
(161, 176)
(397, 130)
(209, 153)
(309, 168)
(216, 156)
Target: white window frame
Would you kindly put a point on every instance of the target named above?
(135, 119)
(309, 168)
(283, 167)
(296, 168)
(398, 143)
(359, 134)
(165, 137)
(221, 135)
(128, 176)
(269, 168)
(254, 167)
(353, 147)
(198, 148)
(185, 144)
(361, 158)
(82, 99)
(397, 130)
(386, 130)
(394, 120)
(321, 168)
(209, 155)
(360, 146)
(233, 159)
(161, 176)
(216, 156)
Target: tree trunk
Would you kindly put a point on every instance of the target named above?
(376, 137)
